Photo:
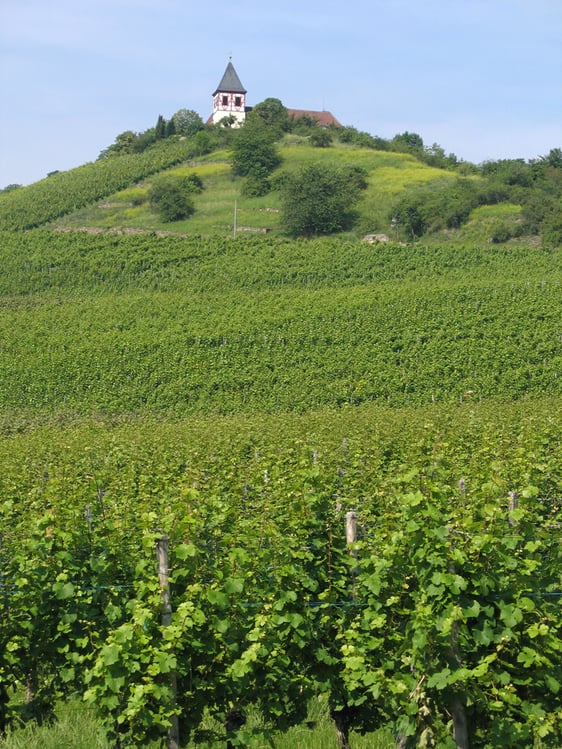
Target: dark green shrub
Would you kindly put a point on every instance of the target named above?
(321, 138)
(193, 182)
(320, 199)
(536, 206)
(273, 114)
(434, 207)
(361, 139)
(203, 143)
(255, 186)
(551, 234)
(172, 198)
(253, 150)
(501, 232)
(407, 216)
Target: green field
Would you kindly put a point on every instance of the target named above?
(113, 193)
(181, 326)
(241, 396)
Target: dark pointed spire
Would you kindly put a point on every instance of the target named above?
(230, 83)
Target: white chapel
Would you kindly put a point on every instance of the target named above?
(229, 98)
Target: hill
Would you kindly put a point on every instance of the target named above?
(350, 452)
(410, 190)
(176, 325)
(233, 315)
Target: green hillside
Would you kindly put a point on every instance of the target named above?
(174, 325)
(59, 195)
(388, 174)
(410, 191)
(241, 395)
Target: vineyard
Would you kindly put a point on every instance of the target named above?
(239, 476)
(64, 192)
(450, 597)
(183, 326)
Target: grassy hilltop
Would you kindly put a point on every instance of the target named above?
(389, 173)
(410, 191)
(241, 395)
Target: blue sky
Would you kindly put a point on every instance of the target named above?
(482, 78)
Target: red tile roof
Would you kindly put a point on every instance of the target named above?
(323, 118)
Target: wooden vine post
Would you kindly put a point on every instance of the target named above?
(513, 505)
(351, 538)
(343, 717)
(163, 575)
(351, 529)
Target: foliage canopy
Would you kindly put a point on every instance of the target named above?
(187, 122)
(172, 196)
(273, 114)
(320, 199)
(254, 154)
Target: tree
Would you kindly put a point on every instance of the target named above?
(273, 114)
(160, 130)
(144, 140)
(320, 199)
(408, 142)
(304, 124)
(435, 155)
(551, 233)
(509, 172)
(202, 143)
(407, 216)
(170, 128)
(361, 139)
(172, 197)
(187, 122)
(129, 142)
(434, 207)
(321, 138)
(536, 207)
(553, 159)
(123, 144)
(254, 154)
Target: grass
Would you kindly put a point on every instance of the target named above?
(214, 207)
(76, 727)
(388, 175)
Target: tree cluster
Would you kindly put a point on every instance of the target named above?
(535, 185)
(319, 199)
(10, 188)
(185, 122)
(316, 199)
(430, 208)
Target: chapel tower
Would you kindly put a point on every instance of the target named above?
(229, 98)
